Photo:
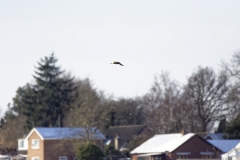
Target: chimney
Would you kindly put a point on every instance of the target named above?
(116, 142)
(183, 132)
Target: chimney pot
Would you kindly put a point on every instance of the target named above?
(183, 132)
(116, 142)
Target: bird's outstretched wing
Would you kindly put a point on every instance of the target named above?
(120, 63)
(117, 63)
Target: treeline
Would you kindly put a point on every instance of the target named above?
(57, 99)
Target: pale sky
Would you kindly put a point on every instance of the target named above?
(148, 37)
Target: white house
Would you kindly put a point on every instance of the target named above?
(233, 154)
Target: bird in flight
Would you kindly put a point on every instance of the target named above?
(117, 63)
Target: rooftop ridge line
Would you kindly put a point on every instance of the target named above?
(127, 126)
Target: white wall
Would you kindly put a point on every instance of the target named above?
(25, 144)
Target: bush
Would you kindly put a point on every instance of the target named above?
(111, 152)
(89, 151)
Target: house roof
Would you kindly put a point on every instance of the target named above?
(162, 143)
(47, 133)
(234, 152)
(224, 145)
(214, 136)
(125, 133)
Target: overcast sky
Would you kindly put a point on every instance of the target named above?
(148, 37)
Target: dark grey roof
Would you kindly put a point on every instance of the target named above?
(125, 133)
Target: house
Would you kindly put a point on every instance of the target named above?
(22, 144)
(121, 136)
(214, 136)
(22, 148)
(57, 143)
(218, 141)
(175, 146)
(225, 145)
(233, 154)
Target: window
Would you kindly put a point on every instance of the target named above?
(207, 154)
(35, 158)
(35, 143)
(62, 158)
(157, 158)
(22, 143)
(183, 155)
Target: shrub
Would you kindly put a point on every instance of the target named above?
(89, 151)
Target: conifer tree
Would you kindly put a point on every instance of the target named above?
(51, 95)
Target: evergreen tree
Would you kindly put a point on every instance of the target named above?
(20, 100)
(50, 96)
(89, 151)
(111, 152)
(232, 129)
(222, 125)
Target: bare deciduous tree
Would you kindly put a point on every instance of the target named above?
(12, 128)
(233, 69)
(88, 110)
(208, 94)
(164, 108)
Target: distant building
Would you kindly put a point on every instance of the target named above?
(233, 154)
(121, 136)
(225, 145)
(214, 136)
(175, 146)
(56, 143)
(22, 148)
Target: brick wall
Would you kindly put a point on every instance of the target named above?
(55, 148)
(134, 157)
(35, 152)
(52, 149)
(195, 145)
